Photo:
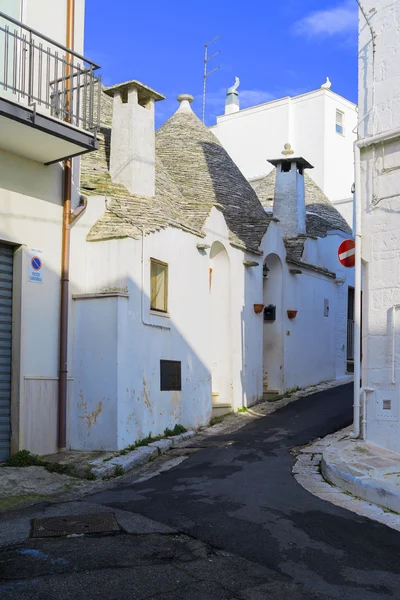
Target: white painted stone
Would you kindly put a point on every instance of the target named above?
(289, 205)
(132, 157)
(103, 471)
(162, 445)
(183, 436)
(378, 101)
(136, 458)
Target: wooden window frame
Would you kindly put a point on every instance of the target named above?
(163, 264)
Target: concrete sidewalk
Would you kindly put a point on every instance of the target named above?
(364, 470)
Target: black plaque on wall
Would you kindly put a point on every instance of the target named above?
(170, 375)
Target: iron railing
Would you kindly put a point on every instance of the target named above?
(41, 73)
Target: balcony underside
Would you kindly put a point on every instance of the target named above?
(39, 137)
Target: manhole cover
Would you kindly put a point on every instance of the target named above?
(78, 524)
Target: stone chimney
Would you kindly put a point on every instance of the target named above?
(232, 104)
(289, 202)
(132, 154)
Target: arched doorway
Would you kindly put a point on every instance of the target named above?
(221, 348)
(273, 353)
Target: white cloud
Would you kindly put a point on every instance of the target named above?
(339, 20)
(254, 97)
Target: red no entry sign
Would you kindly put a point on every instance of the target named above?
(347, 253)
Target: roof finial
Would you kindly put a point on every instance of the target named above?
(327, 85)
(287, 150)
(234, 87)
(185, 102)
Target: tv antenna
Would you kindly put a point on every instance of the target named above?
(207, 74)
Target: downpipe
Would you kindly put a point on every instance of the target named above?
(65, 255)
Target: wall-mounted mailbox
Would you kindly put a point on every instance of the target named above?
(270, 313)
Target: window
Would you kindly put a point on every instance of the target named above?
(170, 375)
(339, 122)
(159, 285)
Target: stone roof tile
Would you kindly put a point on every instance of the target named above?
(325, 218)
(207, 177)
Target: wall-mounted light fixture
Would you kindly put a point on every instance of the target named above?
(340, 281)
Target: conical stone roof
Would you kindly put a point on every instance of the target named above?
(207, 176)
(325, 216)
(126, 214)
(193, 174)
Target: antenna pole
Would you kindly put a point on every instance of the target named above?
(205, 74)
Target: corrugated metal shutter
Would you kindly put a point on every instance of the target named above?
(6, 275)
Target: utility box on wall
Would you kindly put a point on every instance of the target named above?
(270, 313)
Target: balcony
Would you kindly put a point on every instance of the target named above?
(49, 96)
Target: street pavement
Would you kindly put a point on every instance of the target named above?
(246, 530)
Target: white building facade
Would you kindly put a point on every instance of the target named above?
(37, 131)
(379, 138)
(190, 298)
(320, 125)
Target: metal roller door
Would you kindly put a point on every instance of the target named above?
(6, 275)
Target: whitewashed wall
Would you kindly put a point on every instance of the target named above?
(379, 101)
(126, 353)
(314, 346)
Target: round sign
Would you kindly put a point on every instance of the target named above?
(347, 253)
(36, 263)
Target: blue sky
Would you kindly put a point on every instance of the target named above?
(275, 47)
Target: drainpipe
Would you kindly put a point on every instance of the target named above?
(358, 145)
(65, 253)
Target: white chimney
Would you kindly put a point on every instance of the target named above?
(289, 201)
(132, 154)
(232, 103)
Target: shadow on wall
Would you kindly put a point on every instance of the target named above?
(39, 181)
(273, 343)
(118, 391)
(220, 326)
(247, 221)
(123, 389)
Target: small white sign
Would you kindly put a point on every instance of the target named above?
(36, 266)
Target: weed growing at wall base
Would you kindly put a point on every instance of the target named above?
(177, 430)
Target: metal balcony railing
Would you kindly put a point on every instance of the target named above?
(38, 72)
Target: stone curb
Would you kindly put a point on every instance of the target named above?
(364, 487)
(323, 481)
(126, 462)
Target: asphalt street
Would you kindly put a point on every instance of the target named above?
(246, 529)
